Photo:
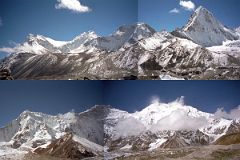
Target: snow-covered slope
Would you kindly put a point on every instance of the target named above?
(133, 50)
(160, 124)
(204, 29)
(157, 111)
(125, 36)
(165, 125)
(157, 40)
(38, 44)
(88, 41)
(228, 48)
(238, 31)
(33, 129)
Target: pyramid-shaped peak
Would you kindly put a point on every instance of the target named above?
(136, 26)
(202, 11)
(201, 8)
(204, 29)
(26, 112)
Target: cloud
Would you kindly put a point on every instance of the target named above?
(129, 127)
(179, 120)
(187, 5)
(233, 114)
(175, 10)
(7, 50)
(155, 100)
(73, 5)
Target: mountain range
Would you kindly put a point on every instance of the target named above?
(202, 49)
(103, 132)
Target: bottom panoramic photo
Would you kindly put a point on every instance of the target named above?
(160, 120)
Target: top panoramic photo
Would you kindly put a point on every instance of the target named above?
(120, 39)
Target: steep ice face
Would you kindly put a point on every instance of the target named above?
(79, 44)
(204, 29)
(113, 118)
(33, 127)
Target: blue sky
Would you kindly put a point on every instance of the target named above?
(18, 18)
(62, 96)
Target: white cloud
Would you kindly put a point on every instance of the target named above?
(175, 10)
(129, 127)
(7, 50)
(179, 120)
(187, 5)
(73, 5)
(155, 99)
(233, 114)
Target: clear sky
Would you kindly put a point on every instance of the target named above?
(157, 12)
(62, 96)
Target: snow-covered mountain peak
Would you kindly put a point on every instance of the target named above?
(29, 114)
(124, 37)
(103, 125)
(204, 29)
(44, 41)
(202, 20)
(138, 30)
(31, 37)
(134, 27)
(156, 111)
(202, 10)
(86, 35)
(26, 112)
(99, 107)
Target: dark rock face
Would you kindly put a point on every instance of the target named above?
(5, 74)
(142, 142)
(151, 64)
(234, 127)
(65, 147)
(131, 77)
(138, 143)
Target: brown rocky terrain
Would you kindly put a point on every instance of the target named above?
(65, 147)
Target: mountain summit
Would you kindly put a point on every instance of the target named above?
(104, 130)
(204, 29)
(203, 49)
